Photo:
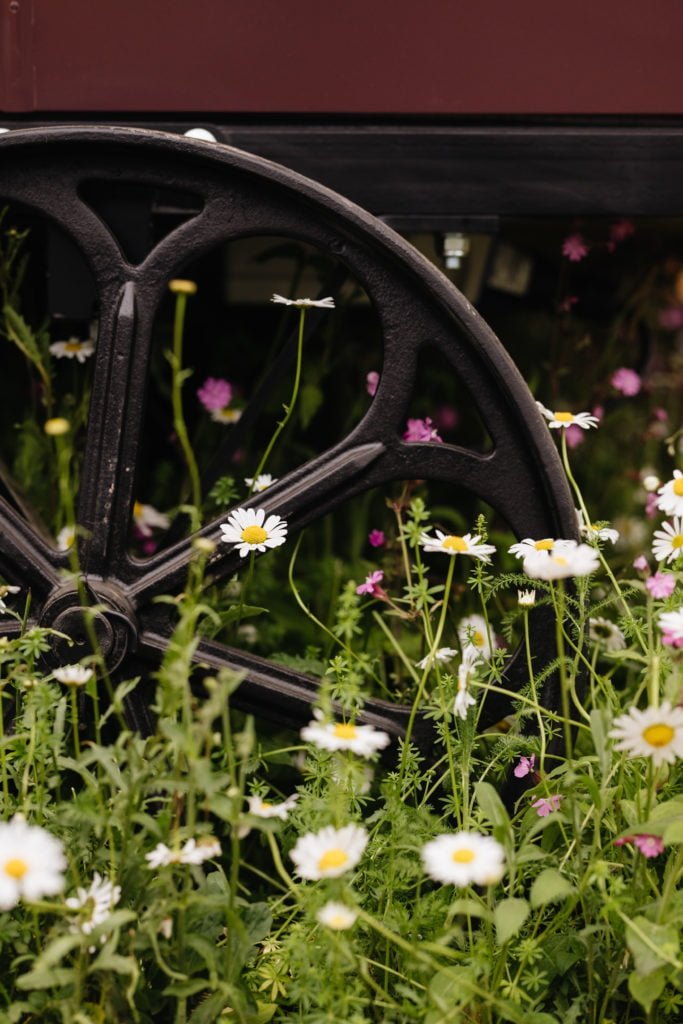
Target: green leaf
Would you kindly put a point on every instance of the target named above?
(57, 977)
(207, 1011)
(673, 833)
(470, 908)
(493, 807)
(652, 945)
(549, 887)
(645, 989)
(509, 917)
(183, 989)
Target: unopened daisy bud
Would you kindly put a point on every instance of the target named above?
(526, 598)
(182, 287)
(57, 426)
(203, 545)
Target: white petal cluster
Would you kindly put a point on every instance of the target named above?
(260, 483)
(327, 303)
(248, 530)
(606, 634)
(672, 623)
(98, 899)
(261, 808)
(668, 542)
(440, 656)
(74, 348)
(525, 547)
(6, 589)
(463, 698)
(148, 518)
(194, 851)
(66, 538)
(32, 863)
(473, 632)
(337, 916)
(464, 858)
(73, 675)
(670, 500)
(451, 544)
(562, 420)
(569, 559)
(330, 852)
(655, 732)
(363, 740)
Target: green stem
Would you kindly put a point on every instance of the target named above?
(288, 409)
(534, 694)
(177, 399)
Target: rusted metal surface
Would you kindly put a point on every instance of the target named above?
(520, 477)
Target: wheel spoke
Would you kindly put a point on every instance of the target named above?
(24, 555)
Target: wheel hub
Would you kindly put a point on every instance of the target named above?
(98, 618)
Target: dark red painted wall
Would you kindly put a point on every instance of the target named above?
(353, 56)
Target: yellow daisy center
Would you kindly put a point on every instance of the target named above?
(463, 856)
(559, 560)
(677, 541)
(338, 921)
(659, 735)
(331, 859)
(254, 535)
(15, 867)
(563, 417)
(678, 487)
(72, 346)
(137, 510)
(543, 545)
(455, 544)
(265, 806)
(345, 731)
(478, 639)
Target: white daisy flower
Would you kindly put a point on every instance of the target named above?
(442, 655)
(472, 632)
(668, 542)
(451, 544)
(671, 623)
(192, 852)
(66, 538)
(363, 740)
(261, 808)
(571, 559)
(5, 589)
(327, 303)
(32, 863)
(463, 698)
(526, 598)
(73, 675)
(464, 858)
(654, 732)
(98, 900)
(606, 634)
(330, 852)
(670, 501)
(593, 532)
(337, 916)
(162, 856)
(525, 547)
(260, 483)
(74, 348)
(560, 420)
(148, 518)
(227, 415)
(249, 530)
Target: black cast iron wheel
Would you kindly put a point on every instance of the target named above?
(521, 477)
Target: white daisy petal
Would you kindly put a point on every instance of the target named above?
(561, 420)
(606, 634)
(363, 740)
(247, 530)
(667, 544)
(74, 348)
(654, 732)
(452, 544)
(261, 808)
(73, 675)
(329, 853)
(569, 559)
(326, 303)
(337, 916)
(464, 858)
(670, 499)
(31, 863)
(473, 632)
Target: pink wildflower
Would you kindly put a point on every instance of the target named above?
(671, 319)
(649, 846)
(661, 585)
(546, 805)
(371, 584)
(671, 639)
(621, 230)
(626, 382)
(215, 393)
(661, 415)
(446, 417)
(376, 538)
(371, 382)
(651, 506)
(641, 564)
(574, 248)
(421, 430)
(574, 436)
(525, 766)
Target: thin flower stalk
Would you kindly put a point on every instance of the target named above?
(178, 378)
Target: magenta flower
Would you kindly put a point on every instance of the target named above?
(525, 766)
(376, 538)
(371, 584)
(446, 417)
(649, 846)
(574, 436)
(215, 393)
(371, 382)
(574, 248)
(661, 585)
(626, 382)
(621, 230)
(651, 510)
(671, 319)
(641, 564)
(421, 430)
(546, 805)
(670, 638)
(661, 415)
